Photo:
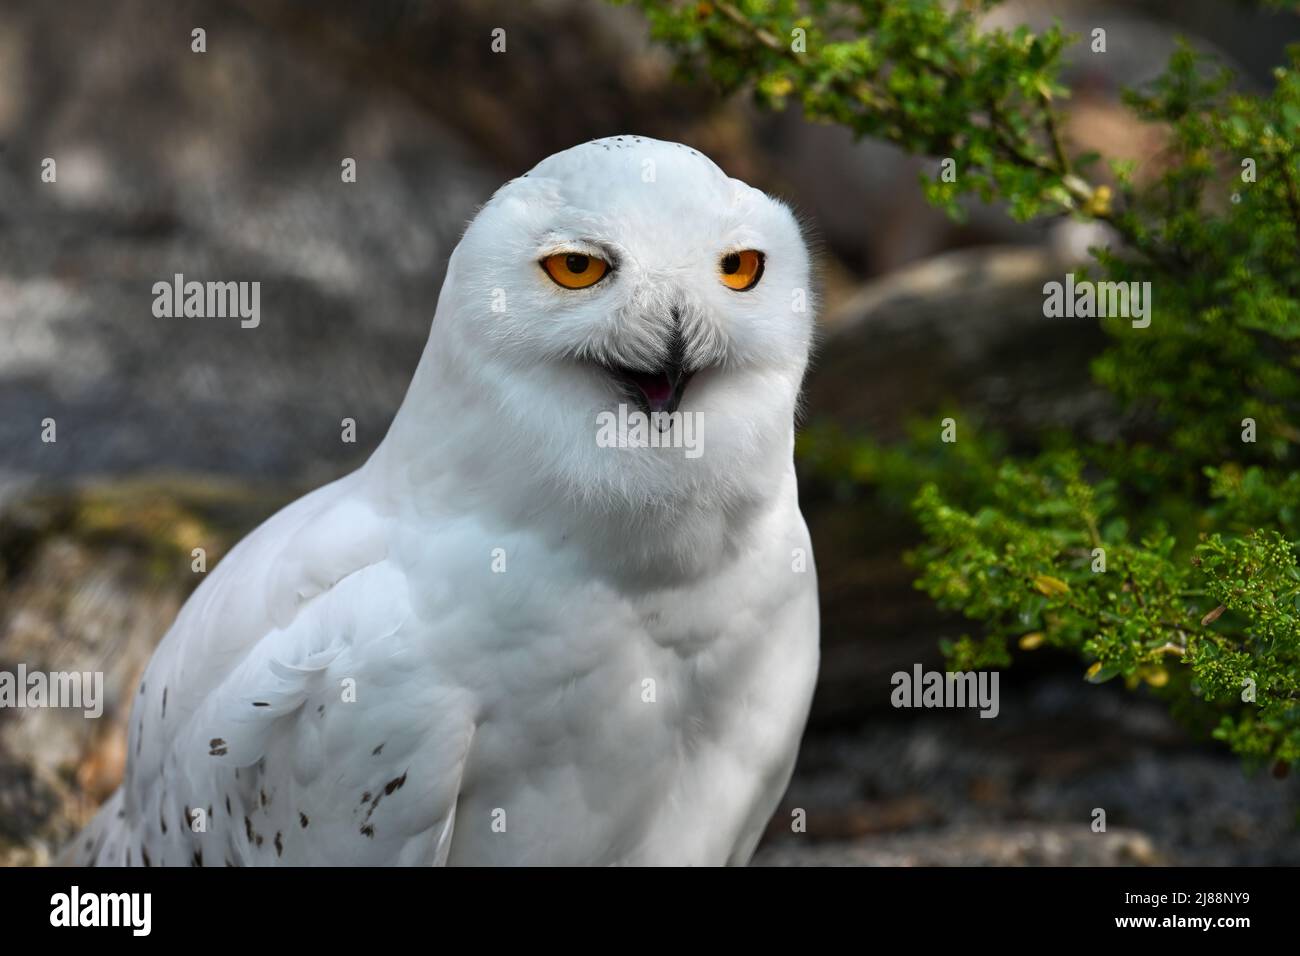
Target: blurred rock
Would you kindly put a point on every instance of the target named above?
(219, 166)
(964, 329)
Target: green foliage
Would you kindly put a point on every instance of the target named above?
(1199, 598)
(1211, 629)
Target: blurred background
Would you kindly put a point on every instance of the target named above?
(179, 435)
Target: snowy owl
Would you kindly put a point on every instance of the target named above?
(504, 640)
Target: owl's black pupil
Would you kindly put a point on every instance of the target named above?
(576, 263)
(731, 263)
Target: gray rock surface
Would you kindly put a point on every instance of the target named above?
(948, 788)
(172, 162)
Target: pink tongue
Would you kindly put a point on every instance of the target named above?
(657, 388)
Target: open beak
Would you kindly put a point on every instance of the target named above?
(658, 389)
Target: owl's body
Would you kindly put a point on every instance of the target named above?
(501, 641)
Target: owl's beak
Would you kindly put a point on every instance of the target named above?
(659, 389)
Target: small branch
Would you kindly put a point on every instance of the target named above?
(758, 33)
(1002, 128)
(1054, 133)
(1093, 533)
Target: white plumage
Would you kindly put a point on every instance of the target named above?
(560, 653)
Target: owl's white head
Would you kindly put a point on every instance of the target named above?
(625, 271)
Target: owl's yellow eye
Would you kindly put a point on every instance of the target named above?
(741, 270)
(575, 270)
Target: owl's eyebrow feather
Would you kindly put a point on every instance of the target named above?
(554, 243)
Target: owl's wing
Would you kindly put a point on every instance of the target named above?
(285, 717)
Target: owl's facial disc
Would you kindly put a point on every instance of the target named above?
(632, 277)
